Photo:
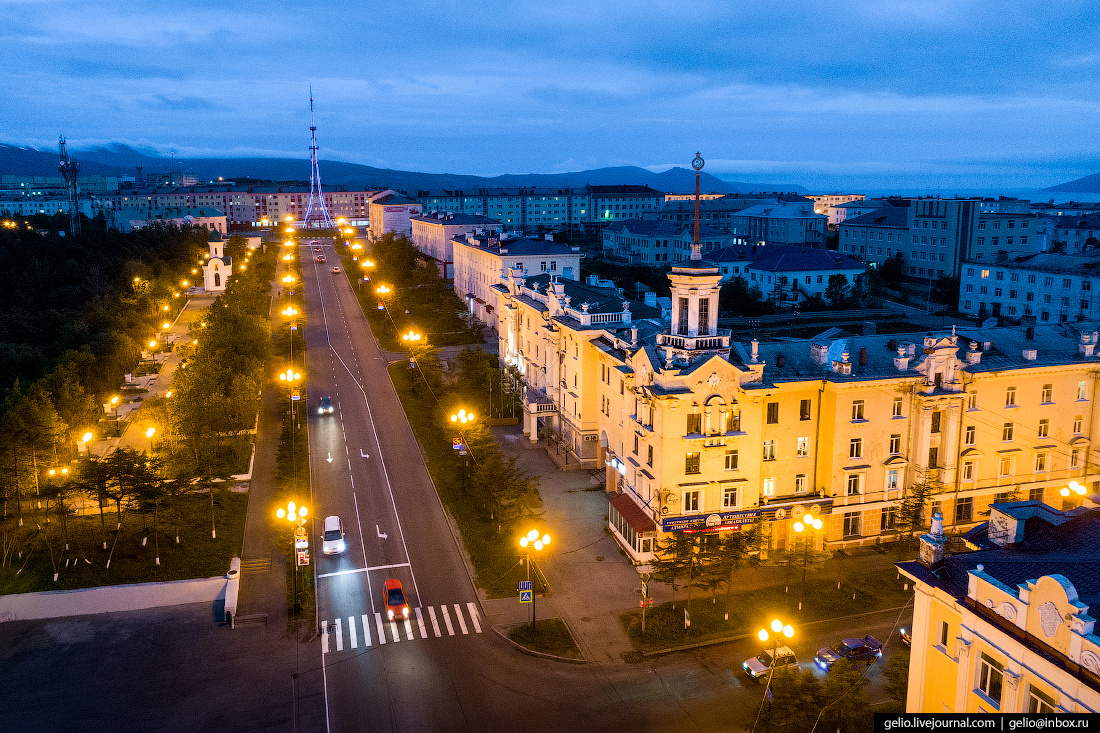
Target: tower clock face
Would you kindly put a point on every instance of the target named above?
(697, 164)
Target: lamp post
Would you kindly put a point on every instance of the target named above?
(383, 291)
(527, 541)
(296, 515)
(779, 630)
(1073, 488)
(804, 526)
(149, 434)
(462, 417)
(412, 338)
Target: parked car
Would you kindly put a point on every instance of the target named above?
(865, 651)
(325, 407)
(394, 596)
(332, 542)
(757, 667)
(906, 637)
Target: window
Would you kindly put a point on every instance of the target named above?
(1081, 394)
(933, 457)
(649, 456)
(1005, 468)
(1010, 397)
(895, 443)
(970, 435)
(804, 410)
(943, 634)
(968, 471)
(733, 420)
(937, 418)
(855, 448)
(1047, 394)
(1075, 458)
(851, 524)
(990, 677)
(897, 407)
(964, 509)
(731, 460)
(1040, 462)
(1038, 701)
(768, 488)
(1044, 428)
(691, 501)
(803, 447)
(857, 409)
(773, 413)
(855, 483)
(635, 445)
(769, 450)
(729, 497)
(972, 402)
(892, 479)
(691, 463)
(1006, 431)
(800, 483)
(694, 423)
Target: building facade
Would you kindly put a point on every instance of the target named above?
(1046, 287)
(790, 223)
(433, 234)
(391, 213)
(654, 242)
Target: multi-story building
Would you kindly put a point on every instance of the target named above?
(654, 242)
(616, 203)
(1006, 627)
(791, 223)
(717, 212)
(789, 275)
(824, 202)
(208, 218)
(999, 235)
(433, 233)
(1047, 287)
(1075, 234)
(877, 235)
(841, 213)
(390, 212)
(482, 263)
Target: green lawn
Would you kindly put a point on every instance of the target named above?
(550, 636)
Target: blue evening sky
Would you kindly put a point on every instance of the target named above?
(840, 94)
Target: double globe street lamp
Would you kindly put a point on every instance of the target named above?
(296, 515)
(530, 541)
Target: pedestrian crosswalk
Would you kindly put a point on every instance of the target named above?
(362, 631)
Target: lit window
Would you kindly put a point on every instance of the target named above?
(803, 446)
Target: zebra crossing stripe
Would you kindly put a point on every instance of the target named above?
(447, 620)
(473, 617)
(351, 631)
(324, 637)
(461, 619)
(339, 637)
(381, 628)
(409, 629)
(393, 630)
(366, 630)
(435, 621)
(420, 623)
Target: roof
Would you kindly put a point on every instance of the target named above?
(521, 246)
(622, 189)
(457, 220)
(782, 211)
(736, 253)
(647, 227)
(889, 216)
(787, 258)
(599, 300)
(1080, 263)
(392, 200)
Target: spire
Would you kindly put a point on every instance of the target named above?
(696, 250)
(320, 216)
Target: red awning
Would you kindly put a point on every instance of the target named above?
(634, 515)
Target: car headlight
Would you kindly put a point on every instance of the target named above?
(340, 545)
(389, 612)
(406, 611)
(320, 411)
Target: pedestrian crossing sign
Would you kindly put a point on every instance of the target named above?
(525, 596)
(526, 584)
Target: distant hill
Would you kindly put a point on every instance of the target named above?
(1088, 184)
(122, 160)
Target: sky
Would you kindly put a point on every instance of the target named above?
(839, 95)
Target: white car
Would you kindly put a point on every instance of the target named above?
(332, 543)
(758, 666)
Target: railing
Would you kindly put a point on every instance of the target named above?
(693, 342)
(606, 318)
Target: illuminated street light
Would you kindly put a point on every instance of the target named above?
(529, 541)
(462, 417)
(411, 337)
(296, 515)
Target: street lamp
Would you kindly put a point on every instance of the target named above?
(296, 515)
(462, 417)
(806, 524)
(1073, 488)
(779, 631)
(114, 405)
(84, 440)
(527, 541)
(149, 434)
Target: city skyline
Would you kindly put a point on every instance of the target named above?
(940, 96)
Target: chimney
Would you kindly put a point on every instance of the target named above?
(755, 351)
(1030, 354)
(1030, 333)
(780, 361)
(901, 361)
(863, 356)
(973, 356)
(634, 336)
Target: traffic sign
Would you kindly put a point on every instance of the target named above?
(296, 395)
(457, 444)
(526, 585)
(645, 590)
(525, 596)
(303, 557)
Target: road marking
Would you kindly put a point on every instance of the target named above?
(461, 619)
(351, 631)
(381, 628)
(420, 623)
(435, 622)
(387, 567)
(447, 620)
(473, 617)
(362, 454)
(409, 628)
(381, 534)
(344, 572)
(366, 630)
(393, 630)
(324, 637)
(349, 465)
(339, 637)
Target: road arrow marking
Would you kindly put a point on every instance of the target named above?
(381, 534)
(362, 454)
(330, 457)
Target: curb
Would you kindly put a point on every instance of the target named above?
(544, 655)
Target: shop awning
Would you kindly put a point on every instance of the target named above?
(634, 515)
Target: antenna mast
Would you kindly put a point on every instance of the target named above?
(69, 170)
(319, 217)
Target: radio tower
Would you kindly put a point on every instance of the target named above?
(320, 216)
(69, 169)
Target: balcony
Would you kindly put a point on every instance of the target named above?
(537, 402)
(693, 343)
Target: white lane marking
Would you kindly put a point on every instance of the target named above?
(344, 572)
(339, 637)
(435, 621)
(473, 617)
(324, 637)
(393, 630)
(409, 629)
(381, 628)
(349, 465)
(420, 623)
(366, 630)
(461, 619)
(387, 567)
(362, 543)
(352, 478)
(351, 632)
(447, 620)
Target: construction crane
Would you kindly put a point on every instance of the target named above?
(69, 170)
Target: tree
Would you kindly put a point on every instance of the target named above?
(796, 699)
(945, 291)
(896, 673)
(911, 511)
(837, 291)
(737, 298)
(893, 270)
(844, 699)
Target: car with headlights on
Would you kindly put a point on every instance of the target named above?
(325, 406)
(397, 606)
(332, 541)
(757, 667)
(865, 651)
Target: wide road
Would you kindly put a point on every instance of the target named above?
(444, 668)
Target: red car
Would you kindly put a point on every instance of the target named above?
(394, 597)
(320, 258)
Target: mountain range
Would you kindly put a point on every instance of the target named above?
(1088, 184)
(120, 160)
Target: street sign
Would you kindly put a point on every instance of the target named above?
(645, 590)
(303, 557)
(296, 395)
(526, 584)
(525, 596)
(458, 445)
(301, 539)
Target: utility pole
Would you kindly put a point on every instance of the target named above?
(69, 170)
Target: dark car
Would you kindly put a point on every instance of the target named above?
(865, 651)
(325, 408)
